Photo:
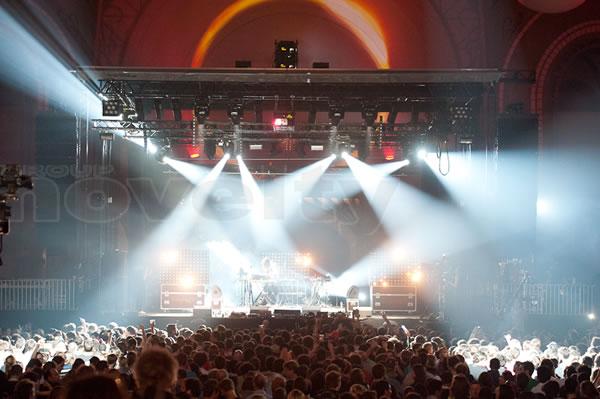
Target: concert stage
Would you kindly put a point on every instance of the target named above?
(279, 318)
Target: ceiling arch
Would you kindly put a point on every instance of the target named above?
(354, 17)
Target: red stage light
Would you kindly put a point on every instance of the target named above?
(389, 153)
(280, 122)
(194, 155)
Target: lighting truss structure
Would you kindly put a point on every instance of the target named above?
(225, 96)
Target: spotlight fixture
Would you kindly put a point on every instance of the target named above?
(152, 148)
(416, 276)
(236, 112)
(228, 147)
(284, 122)
(112, 107)
(422, 153)
(186, 281)
(162, 153)
(591, 316)
(201, 110)
(336, 114)
(286, 54)
(343, 149)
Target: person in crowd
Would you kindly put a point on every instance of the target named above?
(155, 373)
(319, 358)
(94, 387)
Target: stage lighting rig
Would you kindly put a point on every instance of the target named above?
(284, 122)
(201, 110)
(11, 181)
(113, 107)
(336, 114)
(116, 108)
(118, 101)
(286, 54)
(236, 112)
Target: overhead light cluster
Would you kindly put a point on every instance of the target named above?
(286, 54)
(112, 107)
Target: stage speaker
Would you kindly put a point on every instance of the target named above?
(517, 182)
(287, 313)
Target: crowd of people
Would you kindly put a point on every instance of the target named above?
(333, 357)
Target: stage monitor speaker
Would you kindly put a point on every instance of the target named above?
(517, 181)
(287, 313)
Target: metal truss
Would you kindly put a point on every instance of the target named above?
(182, 132)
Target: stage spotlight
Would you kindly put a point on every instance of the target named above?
(113, 107)
(238, 157)
(591, 316)
(397, 254)
(284, 122)
(304, 260)
(543, 207)
(152, 149)
(186, 281)
(286, 54)
(226, 156)
(362, 296)
(195, 155)
(421, 153)
(169, 256)
(201, 110)
(161, 154)
(416, 276)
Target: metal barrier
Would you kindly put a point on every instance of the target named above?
(544, 299)
(560, 299)
(38, 294)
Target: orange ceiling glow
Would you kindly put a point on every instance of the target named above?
(356, 18)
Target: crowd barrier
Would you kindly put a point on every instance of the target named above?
(38, 295)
